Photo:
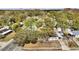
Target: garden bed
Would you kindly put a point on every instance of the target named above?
(54, 45)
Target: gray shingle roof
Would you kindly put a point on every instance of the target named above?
(75, 32)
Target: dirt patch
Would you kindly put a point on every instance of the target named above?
(48, 45)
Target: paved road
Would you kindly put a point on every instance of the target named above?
(11, 46)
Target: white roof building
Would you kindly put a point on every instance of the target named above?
(52, 38)
(69, 31)
(5, 30)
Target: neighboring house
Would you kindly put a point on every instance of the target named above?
(59, 32)
(3, 28)
(60, 35)
(5, 31)
(52, 38)
(76, 34)
(69, 31)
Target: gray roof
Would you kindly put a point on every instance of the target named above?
(75, 32)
